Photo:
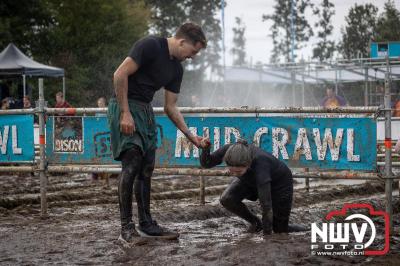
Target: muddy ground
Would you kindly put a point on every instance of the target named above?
(83, 224)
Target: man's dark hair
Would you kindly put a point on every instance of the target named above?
(192, 32)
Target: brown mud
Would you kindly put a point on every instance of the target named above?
(83, 224)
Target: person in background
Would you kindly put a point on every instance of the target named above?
(27, 102)
(101, 103)
(195, 101)
(61, 102)
(396, 108)
(5, 103)
(332, 100)
(397, 146)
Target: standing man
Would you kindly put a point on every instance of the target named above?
(152, 63)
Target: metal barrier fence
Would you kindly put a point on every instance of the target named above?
(312, 113)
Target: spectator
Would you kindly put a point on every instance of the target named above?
(397, 146)
(396, 107)
(60, 102)
(5, 103)
(101, 103)
(195, 101)
(27, 102)
(332, 100)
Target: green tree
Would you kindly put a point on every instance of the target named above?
(88, 38)
(239, 43)
(24, 23)
(359, 30)
(324, 48)
(387, 26)
(281, 28)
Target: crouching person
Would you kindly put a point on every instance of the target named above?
(259, 176)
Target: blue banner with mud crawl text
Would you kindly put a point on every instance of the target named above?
(314, 142)
(17, 138)
(324, 143)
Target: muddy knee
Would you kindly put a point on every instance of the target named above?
(147, 172)
(227, 201)
(131, 161)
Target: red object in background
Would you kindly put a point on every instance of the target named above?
(388, 143)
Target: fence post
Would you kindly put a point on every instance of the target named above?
(42, 160)
(306, 170)
(388, 146)
(202, 190)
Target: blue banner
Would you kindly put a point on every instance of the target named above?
(76, 139)
(325, 143)
(16, 138)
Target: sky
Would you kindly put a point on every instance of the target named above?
(259, 44)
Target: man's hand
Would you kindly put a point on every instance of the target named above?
(201, 142)
(205, 143)
(127, 125)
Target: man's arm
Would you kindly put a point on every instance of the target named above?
(176, 117)
(127, 68)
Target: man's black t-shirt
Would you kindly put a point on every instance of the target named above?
(156, 69)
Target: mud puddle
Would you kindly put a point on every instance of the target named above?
(83, 226)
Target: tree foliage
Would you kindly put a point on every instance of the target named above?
(359, 30)
(88, 38)
(387, 25)
(239, 43)
(281, 28)
(25, 23)
(324, 48)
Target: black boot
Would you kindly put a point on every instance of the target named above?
(152, 229)
(128, 233)
(142, 195)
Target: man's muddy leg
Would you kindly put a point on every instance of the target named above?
(143, 187)
(131, 164)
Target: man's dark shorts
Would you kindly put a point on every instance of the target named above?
(145, 135)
